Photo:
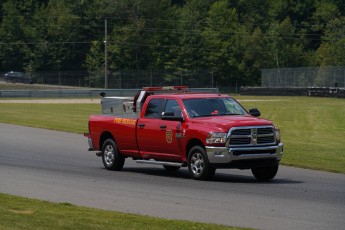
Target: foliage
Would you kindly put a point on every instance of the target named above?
(233, 39)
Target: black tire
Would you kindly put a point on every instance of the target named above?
(171, 168)
(265, 173)
(112, 159)
(198, 164)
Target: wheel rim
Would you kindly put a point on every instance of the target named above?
(197, 163)
(109, 155)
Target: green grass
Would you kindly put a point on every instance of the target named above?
(312, 129)
(23, 213)
(63, 117)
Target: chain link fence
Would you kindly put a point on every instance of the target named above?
(132, 79)
(333, 76)
(126, 79)
(143, 78)
(62, 78)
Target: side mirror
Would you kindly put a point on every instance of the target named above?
(172, 117)
(254, 112)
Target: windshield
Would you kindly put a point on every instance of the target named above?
(203, 107)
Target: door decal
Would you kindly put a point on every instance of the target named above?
(168, 135)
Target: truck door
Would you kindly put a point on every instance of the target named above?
(157, 138)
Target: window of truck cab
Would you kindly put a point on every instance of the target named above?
(173, 107)
(218, 106)
(154, 108)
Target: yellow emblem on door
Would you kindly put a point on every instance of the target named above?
(168, 135)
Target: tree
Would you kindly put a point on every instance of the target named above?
(254, 56)
(221, 37)
(283, 45)
(94, 63)
(234, 39)
(253, 13)
(332, 50)
(13, 37)
(57, 35)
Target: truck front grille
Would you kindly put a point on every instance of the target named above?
(251, 136)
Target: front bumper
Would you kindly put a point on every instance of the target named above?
(226, 155)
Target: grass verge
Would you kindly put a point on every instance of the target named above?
(63, 117)
(23, 213)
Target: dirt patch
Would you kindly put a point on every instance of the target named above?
(23, 212)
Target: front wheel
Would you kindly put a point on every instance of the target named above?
(112, 159)
(198, 164)
(265, 173)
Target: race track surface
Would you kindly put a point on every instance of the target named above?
(56, 166)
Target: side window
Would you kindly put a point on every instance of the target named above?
(173, 107)
(154, 108)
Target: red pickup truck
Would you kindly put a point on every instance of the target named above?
(174, 128)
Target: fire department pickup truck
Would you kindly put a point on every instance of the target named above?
(176, 128)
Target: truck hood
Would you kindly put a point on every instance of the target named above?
(224, 123)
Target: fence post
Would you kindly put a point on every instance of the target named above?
(120, 86)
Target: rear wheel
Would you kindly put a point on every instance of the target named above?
(265, 173)
(112, 159)
(198, 164)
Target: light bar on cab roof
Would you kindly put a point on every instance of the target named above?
(159, 88)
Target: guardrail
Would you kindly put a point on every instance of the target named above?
(310, 91)
(73, 93)
(326, 92)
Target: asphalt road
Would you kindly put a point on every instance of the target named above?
(56, 166)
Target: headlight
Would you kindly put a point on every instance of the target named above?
(216, 138)
(277, 133)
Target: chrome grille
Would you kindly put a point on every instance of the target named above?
(240, 141)
(265, 140)
(262, 131)
(251, 136)
(241, 132)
